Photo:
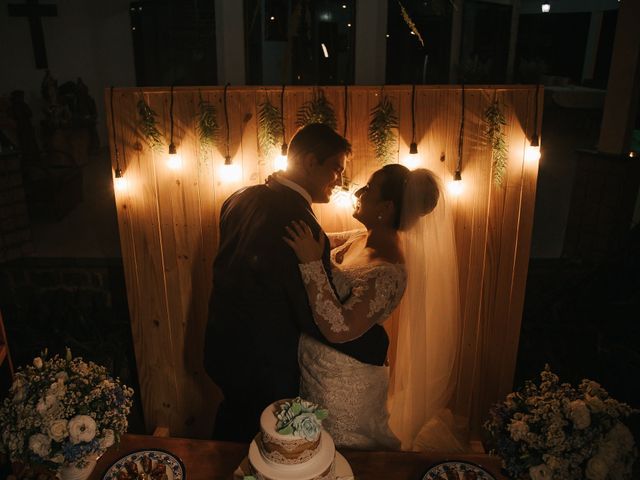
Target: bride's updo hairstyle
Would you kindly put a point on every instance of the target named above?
(414, 193)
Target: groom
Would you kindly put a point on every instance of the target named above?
(259, 305)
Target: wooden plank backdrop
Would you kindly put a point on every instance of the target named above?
(168, 222)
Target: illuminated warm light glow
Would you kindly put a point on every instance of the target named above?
(546, 7)
(174, 161)
(272, 18)
(412, 161)
(632, 154)
(532, 154)
(343, 198)
(324, 50)
(455, 187)
(120, 184)
(281, 162)
(230, 173)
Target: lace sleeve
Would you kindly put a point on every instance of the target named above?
(339, 238)
(373, 297)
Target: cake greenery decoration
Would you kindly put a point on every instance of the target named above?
(300, 417)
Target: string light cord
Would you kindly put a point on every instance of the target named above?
(172, 147)
(284, 148)
(535, 139)
(113, 130)
(227, 158)
(413, 148)
(457, 175)
(346, 109)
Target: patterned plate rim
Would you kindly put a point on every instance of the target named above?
(457, 462)
(142, 450)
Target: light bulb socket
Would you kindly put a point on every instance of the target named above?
(118, 173)
(227, 160)
(413, 148)
(457, 176)
(535, 140)
(284, 150)
(172, 149)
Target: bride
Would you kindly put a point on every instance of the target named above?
(371, 270)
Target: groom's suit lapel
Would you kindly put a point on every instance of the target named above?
(290, 195)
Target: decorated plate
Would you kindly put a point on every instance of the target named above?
(457, 471)
(147, 465)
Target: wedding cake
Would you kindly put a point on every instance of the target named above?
(292, 444)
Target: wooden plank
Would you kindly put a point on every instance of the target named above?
(144, 272)
(168, 225)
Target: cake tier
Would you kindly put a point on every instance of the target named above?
(320, 467)
(283, 449)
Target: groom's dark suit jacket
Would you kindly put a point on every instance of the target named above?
(259, 305)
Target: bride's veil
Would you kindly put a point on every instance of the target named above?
(429, 331)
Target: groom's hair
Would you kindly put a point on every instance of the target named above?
(318, 139)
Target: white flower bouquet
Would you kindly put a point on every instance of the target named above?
(553, 431)
(60, 411)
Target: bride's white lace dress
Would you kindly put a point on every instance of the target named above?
(355, 393)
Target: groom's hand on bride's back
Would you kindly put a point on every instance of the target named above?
(300, 238)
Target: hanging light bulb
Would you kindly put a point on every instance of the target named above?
(281, 161)
(546, 7)
(343, 197)
(174, 159)
(455, 186)
(413, 159)
(532, 151)
(230, 172)
(120, 183)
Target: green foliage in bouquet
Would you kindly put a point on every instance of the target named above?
(269, 127)
(147, 124)
(60, 410)
(382, 131)
(317, 110)
(494, 133)
(552, 431)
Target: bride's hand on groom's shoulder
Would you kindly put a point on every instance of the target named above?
(300, 238)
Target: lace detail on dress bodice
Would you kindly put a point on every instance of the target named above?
(366, 294)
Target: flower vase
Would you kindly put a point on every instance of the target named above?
(71, 472)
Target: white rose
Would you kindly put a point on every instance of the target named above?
(579, 414)
(58, 430)
(540, 472)
(82, 428)
(37, 362)
(621, 435)
(47, 403)
(57, 389)
(108, 439)
(597, 469)
(40, 444)
(595, 403)
(518, 430)
(608, 452)
(18, 388)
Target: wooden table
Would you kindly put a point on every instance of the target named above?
(214, 460)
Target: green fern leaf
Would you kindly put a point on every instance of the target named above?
(382, 131)
(208, 127)
(147, 125)
(269, 128)
(317, 110)
(494, 133)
